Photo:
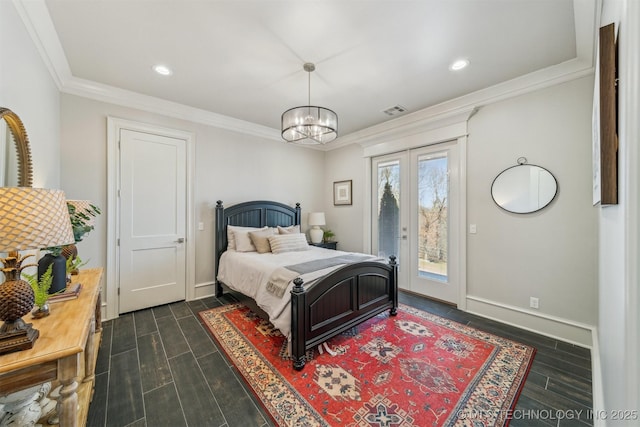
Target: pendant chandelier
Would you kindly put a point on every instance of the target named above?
(308, 124)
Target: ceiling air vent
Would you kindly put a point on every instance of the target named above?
(395, 110)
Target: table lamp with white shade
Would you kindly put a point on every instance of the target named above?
(30, 218)
(316, 219)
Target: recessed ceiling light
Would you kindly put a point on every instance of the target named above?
(459, 64)
(163, 70)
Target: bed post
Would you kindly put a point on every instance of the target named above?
(298, 215)
(219, 243)
(298, 317)
(394, 284)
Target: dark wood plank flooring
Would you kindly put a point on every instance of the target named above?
(160, 367)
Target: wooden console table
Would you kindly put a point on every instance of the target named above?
(71, 330)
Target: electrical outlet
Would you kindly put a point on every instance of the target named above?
(534, 302)
(201, 226)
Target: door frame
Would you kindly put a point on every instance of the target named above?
(454, 132)
(110, 307)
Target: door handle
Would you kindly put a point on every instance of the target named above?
(180, 240)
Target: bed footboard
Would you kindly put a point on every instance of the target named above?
(339, 301)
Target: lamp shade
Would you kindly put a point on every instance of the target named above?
(33, 218)
(316, 218)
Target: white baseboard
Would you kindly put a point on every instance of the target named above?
(551, 326)
(554, 327)
(206, 289)
(202, 290)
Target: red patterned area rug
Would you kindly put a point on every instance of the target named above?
(413, 369)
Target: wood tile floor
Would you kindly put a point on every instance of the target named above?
(160, 367)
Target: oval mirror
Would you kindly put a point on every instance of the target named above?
(19, 166)
(524, 188)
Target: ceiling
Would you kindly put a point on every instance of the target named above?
(240, 61)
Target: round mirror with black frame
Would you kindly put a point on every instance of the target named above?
(22, 165)
(524, 188)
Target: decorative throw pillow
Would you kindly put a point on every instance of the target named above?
(243, 242)
(288, 243)
(292, 229)
(260, 239)
(231, 238)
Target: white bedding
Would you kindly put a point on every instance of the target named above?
(249, 272)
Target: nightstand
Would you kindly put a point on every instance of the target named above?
(327, 245)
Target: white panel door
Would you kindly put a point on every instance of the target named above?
(152, 220)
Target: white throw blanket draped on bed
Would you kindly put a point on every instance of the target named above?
(281, 276)
(250, 272)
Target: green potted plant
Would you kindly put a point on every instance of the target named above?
(40, 286)
(82, 214)
(328, 236)
(82, 218)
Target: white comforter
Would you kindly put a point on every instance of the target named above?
(249, 272)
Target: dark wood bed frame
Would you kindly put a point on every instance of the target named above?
(335, 303)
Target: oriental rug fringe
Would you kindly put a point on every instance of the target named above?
(413, 369)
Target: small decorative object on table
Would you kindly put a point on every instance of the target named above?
(72, 292)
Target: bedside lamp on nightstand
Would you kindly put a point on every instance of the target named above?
(316, 219)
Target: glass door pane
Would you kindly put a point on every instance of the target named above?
(433, 216)
(388, 211)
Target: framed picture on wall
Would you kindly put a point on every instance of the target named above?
(342, 193)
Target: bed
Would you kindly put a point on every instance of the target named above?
(335, 302)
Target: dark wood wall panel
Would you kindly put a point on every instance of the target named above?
(608, 117)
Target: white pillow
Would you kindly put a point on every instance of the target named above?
(231, 238)
(292, 229)
(243, 241)
(260, 239)
(288, 243)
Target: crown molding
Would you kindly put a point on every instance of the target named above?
(37, 21)
(444, 113)
(126, 98)
(36, 18)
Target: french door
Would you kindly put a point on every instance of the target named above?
(416, 217)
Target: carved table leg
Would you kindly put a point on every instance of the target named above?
(68, 401)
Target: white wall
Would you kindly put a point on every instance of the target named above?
(618, 258)
(551, 254)
(26, 88)
(228, 166)
(345, 220)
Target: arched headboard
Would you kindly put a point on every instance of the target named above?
(259, 213)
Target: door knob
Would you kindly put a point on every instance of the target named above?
(180, 240)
